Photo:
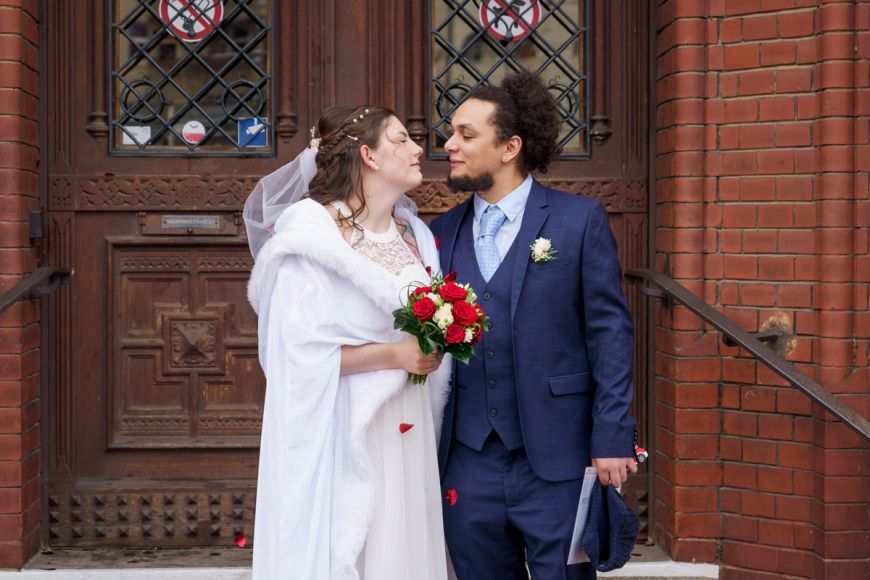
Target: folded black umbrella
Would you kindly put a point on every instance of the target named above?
(611, 529)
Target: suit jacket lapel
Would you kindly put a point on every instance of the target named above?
(451, 234)
(535, 215)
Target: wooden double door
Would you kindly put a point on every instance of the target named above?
(157, 126)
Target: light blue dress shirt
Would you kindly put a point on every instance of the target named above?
(514, 206)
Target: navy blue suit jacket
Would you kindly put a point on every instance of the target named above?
(572, 335)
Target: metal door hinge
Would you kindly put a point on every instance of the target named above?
(34, 220)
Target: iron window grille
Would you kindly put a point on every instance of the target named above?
(467, 53)
(174, 62)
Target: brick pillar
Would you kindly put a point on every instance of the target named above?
(19, 326)
(841, 133)
(688, 523)
(762, 159)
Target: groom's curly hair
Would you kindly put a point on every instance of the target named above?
(339, 166)
(524, 107)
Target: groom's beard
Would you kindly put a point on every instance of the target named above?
(482, 182)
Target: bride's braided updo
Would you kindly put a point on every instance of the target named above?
(341, 131)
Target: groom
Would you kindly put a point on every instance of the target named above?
(550, 389)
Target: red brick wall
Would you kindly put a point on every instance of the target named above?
(19, 326)
(762, 192)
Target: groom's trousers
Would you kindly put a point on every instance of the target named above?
(505, 516)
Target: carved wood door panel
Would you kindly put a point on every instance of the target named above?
(183, 343)
(156, 134)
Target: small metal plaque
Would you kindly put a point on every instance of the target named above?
(191, 221)
(215, 224)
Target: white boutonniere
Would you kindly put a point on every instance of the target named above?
(542, 250)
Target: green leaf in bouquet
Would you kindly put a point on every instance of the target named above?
(427, 345)
(404, 319)
(462, 352)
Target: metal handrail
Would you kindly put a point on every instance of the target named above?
(659, 285)
(40, 282)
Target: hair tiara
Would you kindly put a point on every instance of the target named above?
(359, 117)
(315, 140)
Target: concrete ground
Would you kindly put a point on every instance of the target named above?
(235, 564)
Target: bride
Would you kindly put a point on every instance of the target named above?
(348, 483)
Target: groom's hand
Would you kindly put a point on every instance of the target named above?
(614, 470)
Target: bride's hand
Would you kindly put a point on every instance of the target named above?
(411, 358)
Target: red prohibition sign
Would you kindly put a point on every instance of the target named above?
(509, 19)
(191, 20)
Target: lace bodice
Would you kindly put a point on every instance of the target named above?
(388, 250)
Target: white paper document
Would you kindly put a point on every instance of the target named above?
(577, 555)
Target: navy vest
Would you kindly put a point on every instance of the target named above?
(486, 395)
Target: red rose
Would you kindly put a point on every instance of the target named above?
(451, 277)
(424, 309)
(464, 313)
(455, 334)
(422, 290)
(479, 310)
(452, 292)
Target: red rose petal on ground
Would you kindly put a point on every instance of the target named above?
(241, 541)
(451, 496)
(405, 427)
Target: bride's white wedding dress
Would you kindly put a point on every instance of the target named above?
(406, 536)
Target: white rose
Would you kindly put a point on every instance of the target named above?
(468, 335)
(541, 249)
(436, 298)
(543, 245)
(443, 316)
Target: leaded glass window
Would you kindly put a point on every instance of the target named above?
(191, 77)
(479, 42)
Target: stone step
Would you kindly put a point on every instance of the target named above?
(648, 562)
(671, 570)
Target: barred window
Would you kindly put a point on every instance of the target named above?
(479, 42)
(191, 77)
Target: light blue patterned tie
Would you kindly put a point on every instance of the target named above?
(485, 248)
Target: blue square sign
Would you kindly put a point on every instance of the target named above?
(253, 132)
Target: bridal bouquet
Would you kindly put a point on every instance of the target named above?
(445, 318)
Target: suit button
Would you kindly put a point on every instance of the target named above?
(493, 412)
(487, 295)
(491, 384)
(489, 354)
